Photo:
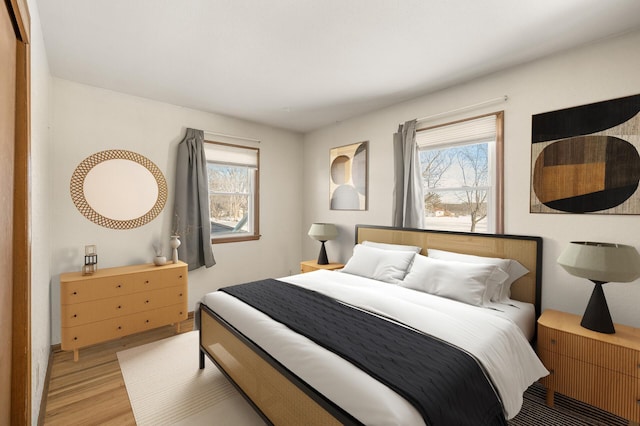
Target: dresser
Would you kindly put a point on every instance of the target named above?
(602, 370)
(313, 265)
(116, 302)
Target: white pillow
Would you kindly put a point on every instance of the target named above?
(469, 283)
(382, 265)
(397, 247)
(512, 267)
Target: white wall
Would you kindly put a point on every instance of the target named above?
(86, 120)
(40, 207)
(590, 74)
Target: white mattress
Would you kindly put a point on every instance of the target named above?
(521, 313)
(491, 335)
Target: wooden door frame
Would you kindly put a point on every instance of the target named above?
(21, 312)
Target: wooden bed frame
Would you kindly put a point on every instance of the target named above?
(278, 395)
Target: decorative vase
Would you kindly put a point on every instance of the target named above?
(159, 260)
(174, 242)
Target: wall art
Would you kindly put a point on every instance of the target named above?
(349, 176)
(585, 159)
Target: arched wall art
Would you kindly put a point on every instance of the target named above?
(118, 189)
(349, 175)
(585, 159)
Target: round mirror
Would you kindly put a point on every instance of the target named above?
(118, 189)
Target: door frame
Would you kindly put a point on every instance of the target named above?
(21, 311)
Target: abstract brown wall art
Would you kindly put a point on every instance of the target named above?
(348, 183)
(585, 159)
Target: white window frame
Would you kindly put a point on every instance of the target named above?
(226, 154)
(472, 131)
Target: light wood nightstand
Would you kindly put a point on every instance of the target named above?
(312, 265)
(600, 369)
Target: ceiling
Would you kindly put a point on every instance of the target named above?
(303, 64)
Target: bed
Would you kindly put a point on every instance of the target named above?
(290, 380)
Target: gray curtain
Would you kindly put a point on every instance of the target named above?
(191, 206)
(408, 197)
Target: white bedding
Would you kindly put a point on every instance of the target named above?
(494, 339)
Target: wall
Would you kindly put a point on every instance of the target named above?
(592, 73)
(40, 206)
(86, 120)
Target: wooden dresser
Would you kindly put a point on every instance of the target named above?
(116, 302)
(602, 370)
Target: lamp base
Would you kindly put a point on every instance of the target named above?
(597, 317)
(322, 257)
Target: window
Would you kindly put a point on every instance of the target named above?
(233, 175)
(462, 166)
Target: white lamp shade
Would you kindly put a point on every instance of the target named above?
(605, 262)
(323, 231)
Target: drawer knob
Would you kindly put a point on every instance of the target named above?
(119, 286)
(119, 306)
(74, 293)
(146, 301)
(147, 321)
(146, 282)
(75, 338)
(75, 315)
(553, 341)
(180, 294)
(180, 276)
(119, 327)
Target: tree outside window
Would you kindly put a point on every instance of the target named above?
(232, 173)
(460, 172)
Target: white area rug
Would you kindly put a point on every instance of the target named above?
(166, 387)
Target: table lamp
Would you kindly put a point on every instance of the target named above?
(323, 232)
(600, 263)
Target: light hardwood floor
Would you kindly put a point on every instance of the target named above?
(91, 391)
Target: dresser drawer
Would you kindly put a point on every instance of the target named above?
(612, 391)
(159, 278)
(95, 288)
(617, 358)
(89, 334)
(113, 307)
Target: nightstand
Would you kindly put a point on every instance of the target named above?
(312, 265)
(600, 369)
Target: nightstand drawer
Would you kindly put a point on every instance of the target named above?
(597, 352)
(615, 392)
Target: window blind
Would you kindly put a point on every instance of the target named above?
(231, 155)
(479, 129)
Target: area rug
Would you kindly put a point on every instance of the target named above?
(166, 387)
(566, 412)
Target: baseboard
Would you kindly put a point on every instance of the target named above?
(45, 388)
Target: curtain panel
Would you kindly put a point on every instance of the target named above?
(408, 195)
(191, 202)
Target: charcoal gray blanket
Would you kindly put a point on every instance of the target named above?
(445, 384)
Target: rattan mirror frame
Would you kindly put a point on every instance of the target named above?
(80, 201)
